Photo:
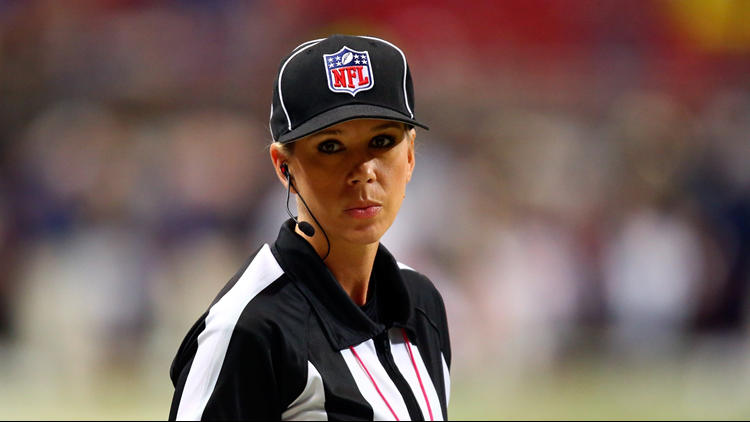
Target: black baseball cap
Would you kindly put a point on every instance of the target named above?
(329, 81)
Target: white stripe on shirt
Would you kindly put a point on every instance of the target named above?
(406, 367)
(447, 375)
(311, 404)
(213, 342)
(380, 410)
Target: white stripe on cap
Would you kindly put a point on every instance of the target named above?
(297, 50)
(406, 96)
(213, 342)
(270, 126)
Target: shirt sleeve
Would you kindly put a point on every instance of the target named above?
(232, 382)
(445, 337)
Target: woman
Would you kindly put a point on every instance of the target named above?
(325, 323)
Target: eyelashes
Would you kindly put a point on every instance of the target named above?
(332, 146)
(383, 141)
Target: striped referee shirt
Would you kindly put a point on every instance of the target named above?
(284, 341)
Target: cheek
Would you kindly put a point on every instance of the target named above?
(317, 188)
(395, 178)
(326, 188)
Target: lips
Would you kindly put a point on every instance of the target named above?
(362, 210)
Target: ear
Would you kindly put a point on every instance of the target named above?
(411, 137)
(278, 158)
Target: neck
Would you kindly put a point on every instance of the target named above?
(350, 264)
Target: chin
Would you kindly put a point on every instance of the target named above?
(365, 234)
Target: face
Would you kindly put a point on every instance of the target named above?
(353, 177)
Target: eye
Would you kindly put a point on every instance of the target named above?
(330, 147)
(383, 141)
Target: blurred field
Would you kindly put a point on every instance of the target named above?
(596, 391)
(586, 170)
(689, 388)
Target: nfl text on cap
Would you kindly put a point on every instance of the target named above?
(329, 81)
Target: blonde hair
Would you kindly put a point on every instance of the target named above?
(286, 149)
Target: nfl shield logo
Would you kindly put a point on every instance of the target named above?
(349, 71)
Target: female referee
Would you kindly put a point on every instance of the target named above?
(325, 324)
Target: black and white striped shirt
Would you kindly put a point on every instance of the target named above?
(283, 341)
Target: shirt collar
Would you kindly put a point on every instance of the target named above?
(343, 321)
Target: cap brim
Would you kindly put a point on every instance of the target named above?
(343, 114)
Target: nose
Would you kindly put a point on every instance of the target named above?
(362, 173)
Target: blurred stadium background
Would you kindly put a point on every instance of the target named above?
(582, 200)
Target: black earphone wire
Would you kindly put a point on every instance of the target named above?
(288, 194)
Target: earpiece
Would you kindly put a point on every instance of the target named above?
(284, 170)
(304, 226)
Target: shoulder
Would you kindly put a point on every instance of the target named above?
(419, 285)
(259, 298)
(259, 308)
(425, 296)
(430, 315)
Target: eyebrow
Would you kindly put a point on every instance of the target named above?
(388, 125)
